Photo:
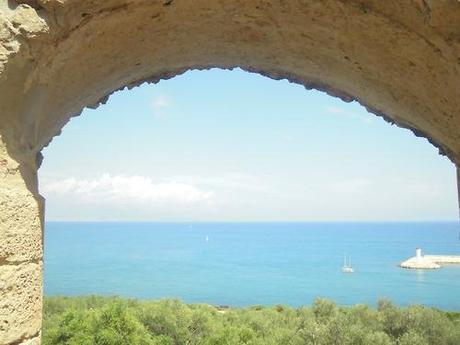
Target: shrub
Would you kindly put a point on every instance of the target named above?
(97, 320)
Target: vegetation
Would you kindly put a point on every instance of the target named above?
(111, 320)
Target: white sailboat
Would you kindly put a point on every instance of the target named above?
(347, 268)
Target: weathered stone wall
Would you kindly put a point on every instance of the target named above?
(458, 186)
(21, 251)
(401, 59)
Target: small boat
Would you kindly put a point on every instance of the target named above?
(347, 268)
(207, 239)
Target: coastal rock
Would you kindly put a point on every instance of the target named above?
(400, 59)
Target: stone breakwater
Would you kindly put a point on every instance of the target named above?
(430, 261)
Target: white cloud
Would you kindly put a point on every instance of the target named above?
(160, 103)
(357, 185)
(124, 189)
(366, 118)
(229, 181)
(335, 110)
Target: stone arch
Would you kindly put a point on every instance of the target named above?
(399, 59)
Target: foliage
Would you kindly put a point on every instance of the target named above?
(116, 321)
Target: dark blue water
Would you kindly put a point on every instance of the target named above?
(252, 263)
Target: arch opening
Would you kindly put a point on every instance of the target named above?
(348, 145)
(196, 118)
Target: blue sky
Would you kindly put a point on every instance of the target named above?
(233, 146)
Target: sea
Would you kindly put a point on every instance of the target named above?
(254, 263)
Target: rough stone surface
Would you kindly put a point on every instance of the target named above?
(21, 302)
(20, 219)
(21, 235)
(21, 251)
(401, 59)
(458, 186)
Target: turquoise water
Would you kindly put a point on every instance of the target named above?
(251, 263)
